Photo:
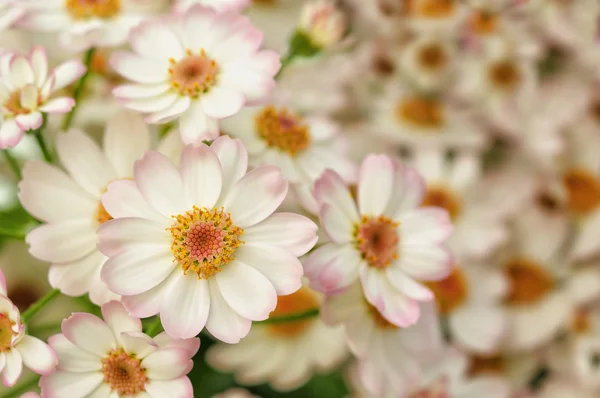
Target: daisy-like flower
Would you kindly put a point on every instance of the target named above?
(388, 356)
(113, 357)
(303, 147)
(218, 5)
(185, 242)
(435, 15)
(388, 241)
(26, 88)
(199, 67)
(85, 24)
(69, 203)
(276, 353)
(456, 186)
(17, 348)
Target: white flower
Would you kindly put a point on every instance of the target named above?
(26, 87)
(70, 206)
(112, 357)
(218, 5)
(17, 348)
(388, 241)
(199, 243)
(197, 68)
(85, 24)
(303, 147)
(388, 356)
(10, 12)
(323, 23)
(278, 353)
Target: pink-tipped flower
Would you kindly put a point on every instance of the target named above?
(16, 348)
(389, 242)
(10, 12)
(217, 5)
(113, 357)
(196, 68)
(26, 88)
(323, 23)
(199, 243)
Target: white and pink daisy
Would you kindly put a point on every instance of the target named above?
(277, 353)
(69, 203)
(84, 24)
(26, 88)
(199, 243)
(113, 357)
(387, 241)
(197, 68)
(388, 356)
(302, 147)
(17, 348)
(217, 5)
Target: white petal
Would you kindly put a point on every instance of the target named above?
(58, 105)
(234, 160)
(167, 363)
(137, 343)
(10, 134)
(132, 233)
(62, 242)
(21, 72)
(376, 181)
(149, 303)
(426, 262)
(221, 102)
(478, 328)
(336, 224)
(223, 322)
(37, 355)
(39, 63)
(185, 308)
(29, 97)
(156, 40)
(119, 320)
(330, 188)
(178, 388)
(134, 91)
(73, 358)
(126, 138)
(424, 226)
(77, 277)
(139, 69)
(64, 384)
(66, 73)
(89, 333)
(196, 126)
(408, 286)
(201, 173)
(30, 121)
(124, 199)
(176, 109)
(13, 368)
(292, 232)
(341, 271)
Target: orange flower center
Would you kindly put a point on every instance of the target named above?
(194, 74)
(450, 292)
(379, 320)
(528, 282)
(302, 300)
(583, 190)
(14, 106)
(504, 75)
(581, 322)
(435, 9)
(377, 240)
(440, 197)
(6, 332)
(204, 240)
(102, 215)
(483, 22)
(420, 112)
(492, 364)
(124, 373)
(432, 57)
(282, 130)
(84, 9)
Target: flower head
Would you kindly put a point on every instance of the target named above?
(323, 23)
(200, 67)
(26, 88)
(199, 243)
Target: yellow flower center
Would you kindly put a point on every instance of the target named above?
(450, 292)
(302, 300)
(483, 22)
(583, 190)
(194, 74)
(581, 322)
(102, 215)
(204, 240)
(504, 75)
(84, 9)
(432, 57)
(434, 9)
(282, 130)
(124, 373)
(6, 332)
(379, 320)
(420, 112)
(440, 197)
(528, 282)
(13, 104)
(489, 365)
(377, 240)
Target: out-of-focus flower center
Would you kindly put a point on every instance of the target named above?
(438, 389)
(13, 105)
(382, 65)
(194, 74)
(124, 373)
(420, 112)
(379, 319)
(548, 202)
(377, 240)
(435, 9)
(528, 282)
(6, 332)
(302, 300)
(102, 215)
(504, 75)
(489, 365)
(440, 197)
(204, 240)
(581, 322)
(450, 292)
(432, 57)
(84, 9)
(483, 22)
(583, 190)
(282, 130)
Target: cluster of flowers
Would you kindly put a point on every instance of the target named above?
(404, 191)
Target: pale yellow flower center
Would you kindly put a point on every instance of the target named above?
(194, 74)
(6, 332)
(426, 113)
(440, 197)
(13, 104)
(84, 9)
(528, 281)
(376, 238)
(282, 130)
(302, 300)
(450, 292)
(432, 57)
(124, 373)
(583, 190)
(204, 240)
(504, 75)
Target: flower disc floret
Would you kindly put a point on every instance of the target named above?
(124, 373)
(377, 240)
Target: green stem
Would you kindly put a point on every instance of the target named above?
(38, 305)
(285, 62)
(16, 235)
(155, 327)
(44, 328)
(12, 162)
(42, 144)
(26, 387)
(292, 317)
(87, 60)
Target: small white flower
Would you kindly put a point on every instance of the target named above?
(218, 5)
(323, 23)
